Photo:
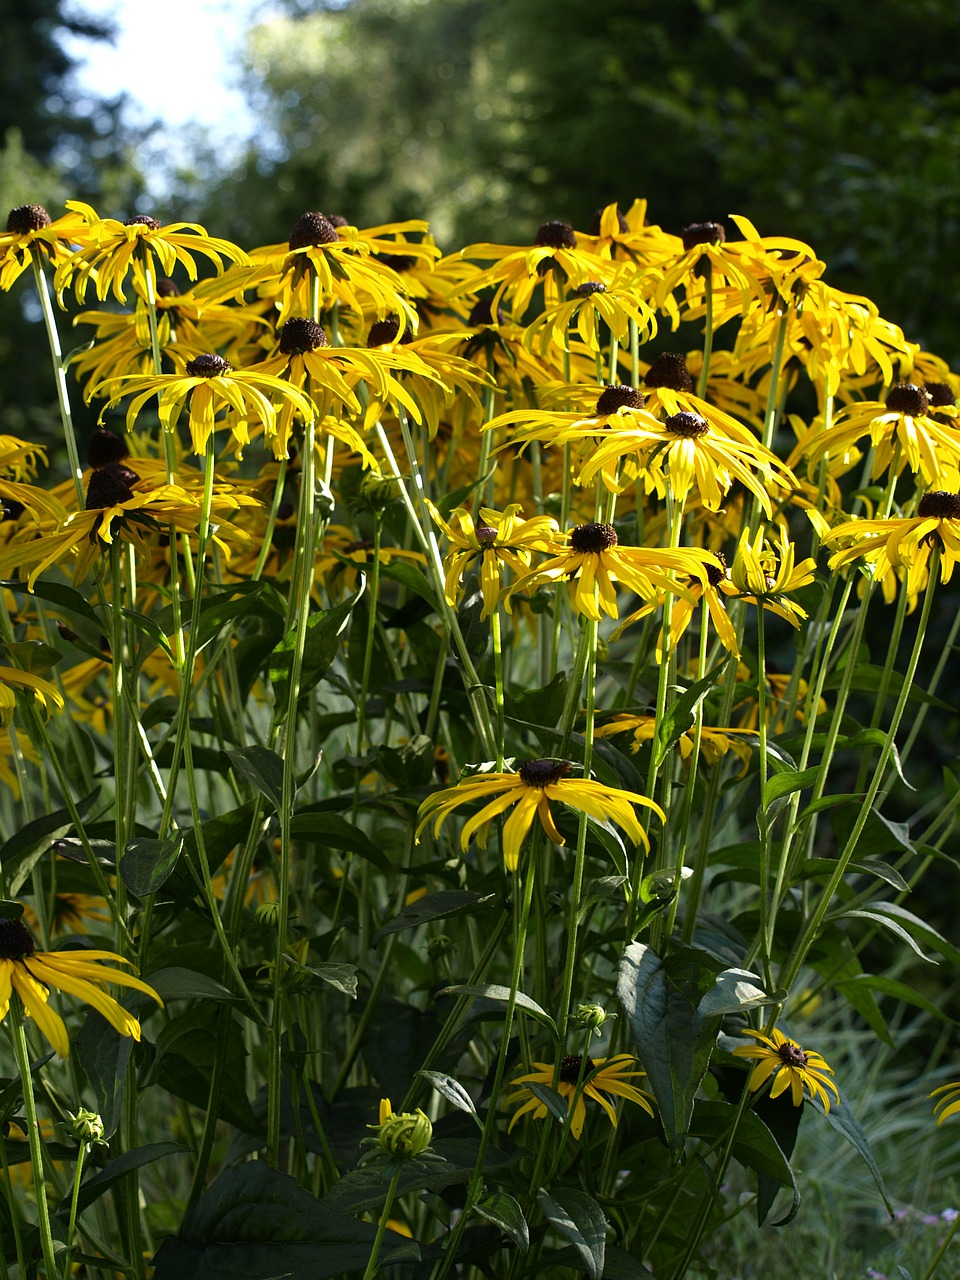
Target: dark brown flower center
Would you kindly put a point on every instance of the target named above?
(338, 220)
(361, 544)
(689, 425)
(556, 235)
(207, 366)
(571, 1065)
(301, 335)
(482, 313)
(110, 487)
(106, 447)
(167, 288)
(15, 941)
(26, 218)
(398, 261)
(715, 574)
(791, 1055)
(941, 395)
(909, 399)
(143, 220)
(312, 228)
(543, 773)
(702, 233)
(622, 223)
(593, 539)
(385, 331)
(669, 370)
(486, 534)
(589, 288)
(613, 398)
(940, 505)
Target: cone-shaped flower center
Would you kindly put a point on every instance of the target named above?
(486, 534)
(715, 575)
(588, 288)
(167, 288)
(301, 335)
(791, 1055)
(207, 366)
(143, 220)
(570, 1068)
(613, 398)
(908, 398)
(937, 503)
(15, 940)
(543, 773)
(26, 218)
(941, 395)
(482, 313)
(592, 539)
(106, 447)
(669, 370)
(109, 487)
(556, 235)
(702, 233)
(689, 425)
(384, 331)
(312, 228)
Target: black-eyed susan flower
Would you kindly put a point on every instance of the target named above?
(497, 539)
(32, 233)
(596, 1078)
(528, 792)
(12, 679)
(211, 385)
(792, 1067)
(616, 304)
(906, 543)
(714, 742)
(711, 590)
(111, 249)
(32, 974)
(948, 1101)
(764, 576)
(595, 560)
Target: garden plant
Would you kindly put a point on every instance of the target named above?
(461, 723)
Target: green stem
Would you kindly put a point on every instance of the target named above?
(74, 1199)
(371, 1269)
(60, 378)
(34, 1138)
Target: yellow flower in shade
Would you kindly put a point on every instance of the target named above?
(554, 260)
(112, 249)
(763, 577)
(528, 792)
(499, 538)
(794, 1068)
(602, 1078)
(904, 429)
(32, 974)
(31, 232)
(12, 678)
(614, 234)
(904, 544)
(595, 561)
(714, 742)
(211, 385)
(949, 1103)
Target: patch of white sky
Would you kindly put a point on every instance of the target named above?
(180, 65)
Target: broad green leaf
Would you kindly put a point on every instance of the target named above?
(553, 1101)
(790, 780)
(187, 1049)
(580, 1220)
(341, 976)
(504, 1212)
(735, 989)
(146, 864)
(34, 656)
(672, 1038)
(754, 1145)
(229, 606)
(436, 906)
(452, 1090)
(492, 991)
(67, 600)
(896, 990)
(262, 768)
(176, 983)
(93, 1188)
(823, 869)
(334, 832)
(841, 1118)
(149, 628)
(411, 578)
(26, 847)
(543, 705)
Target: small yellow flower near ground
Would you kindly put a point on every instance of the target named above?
(791, 1066)
(599, 1076)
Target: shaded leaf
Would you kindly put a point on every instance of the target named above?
(436, 906)
(452, 1090)
(492, 991)
(262, 768)
(580, 1220)
(146, 863)
(504, 1212)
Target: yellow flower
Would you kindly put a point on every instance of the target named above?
(500, 538)
(794, 1068)
(906, 543)
(210, 383)
(12, 678)
(403, 1133)
(949, 1104)
(714, 742)
(595, 561)
(529, 792)
(711, 589)
(32, 973)
(600, 1076)
(113, 248)
(615, 303)
(763, 580)
(31, 231)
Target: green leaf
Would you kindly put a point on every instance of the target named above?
(841, 1118)
(176, 983)
(896, 990)
(34, 656)
(672, 1038)
(735, 990)
(26, 847)
(331, 831)
(541, 706)
(254, 1223)
(823, 868)
(104, 1055)
(262, 768)
(867, 678)
(452, 1090)
(492, 991)
(68, 600)
(790, 780)
(504, 1212)
(754, 1145)
(341, 976)
(436, 906)
(680, 715)
(552, 1100)
(580, 1220)
(146, 864)
(150, 628)
(230, 606)
(93, 1188)
(411, 578)
(186, 1054)
(408, 766)
(324, 628)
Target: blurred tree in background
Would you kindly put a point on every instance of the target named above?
(54, 145)
(832, 121)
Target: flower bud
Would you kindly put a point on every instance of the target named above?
(405, 1134)
(591, 1016)
(268, 914)
(439, 946)
(86, 1126)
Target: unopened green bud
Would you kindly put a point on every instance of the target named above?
(86, 1126)
(591, 1016)
(268, 914)
(377, 490)
(405, 1133)
(439, 946)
